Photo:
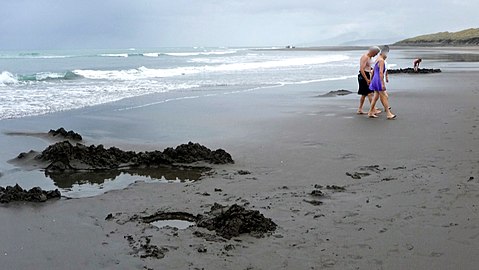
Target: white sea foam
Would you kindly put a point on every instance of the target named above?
(7, 78)
(183, 54)
(321, 80)
(151, 54)
(27, 100)
(114, 55)
(33, 56)
(147, 73)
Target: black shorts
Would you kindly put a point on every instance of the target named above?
(363, 85)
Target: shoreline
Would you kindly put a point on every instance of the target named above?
(414, 209)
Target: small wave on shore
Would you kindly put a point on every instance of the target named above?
(7, 78)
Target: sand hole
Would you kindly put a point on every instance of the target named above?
(179, 220)
(174, 223)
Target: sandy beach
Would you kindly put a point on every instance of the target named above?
(414, 206)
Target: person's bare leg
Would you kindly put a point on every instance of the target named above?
(361, 104)
(372, 110)
(376, 110)
(385, 102)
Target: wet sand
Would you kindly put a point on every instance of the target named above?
(414, 206)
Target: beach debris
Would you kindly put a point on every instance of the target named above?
(63, 156)
(209, 237)
(243, 172)
(341, 92)
(144, 249)
(36, 194)
(412, 71)
(336, 188)
(69, 135)
(387, 179)
(373, 168)
(314, 202)
(231, 221)
(202, 249)
(229, 247)
(317, 193)
(357, 175)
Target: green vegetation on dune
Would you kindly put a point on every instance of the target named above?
(468, 37)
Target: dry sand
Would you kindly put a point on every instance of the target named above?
(417, 208)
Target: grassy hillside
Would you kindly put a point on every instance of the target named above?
(468, 37)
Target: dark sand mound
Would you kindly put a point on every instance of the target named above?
(231, 221)
(62, 133)
(411, 71)
(226, 221)
(36, 194)
(64, 156)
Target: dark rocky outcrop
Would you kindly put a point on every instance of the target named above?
(412, 71)
(193, 152)
(36, 194)
(63, 156)
(231, 221)
(68, 135)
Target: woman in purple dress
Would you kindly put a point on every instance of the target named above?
(379, 87)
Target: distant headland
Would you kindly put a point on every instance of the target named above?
(468, 37)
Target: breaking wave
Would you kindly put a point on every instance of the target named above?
(147, 73)
(9, 78)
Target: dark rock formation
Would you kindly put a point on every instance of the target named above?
(341, 92)
(62, 133)
(63, 156)
(193, 152)
(231, 221)
(36, 194)
(411, 71)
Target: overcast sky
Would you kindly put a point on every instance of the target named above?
(61, 24)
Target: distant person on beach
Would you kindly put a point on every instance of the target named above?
(378, 85)
(416, 64)
(364, 77)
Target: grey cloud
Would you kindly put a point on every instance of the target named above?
(147, 23)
